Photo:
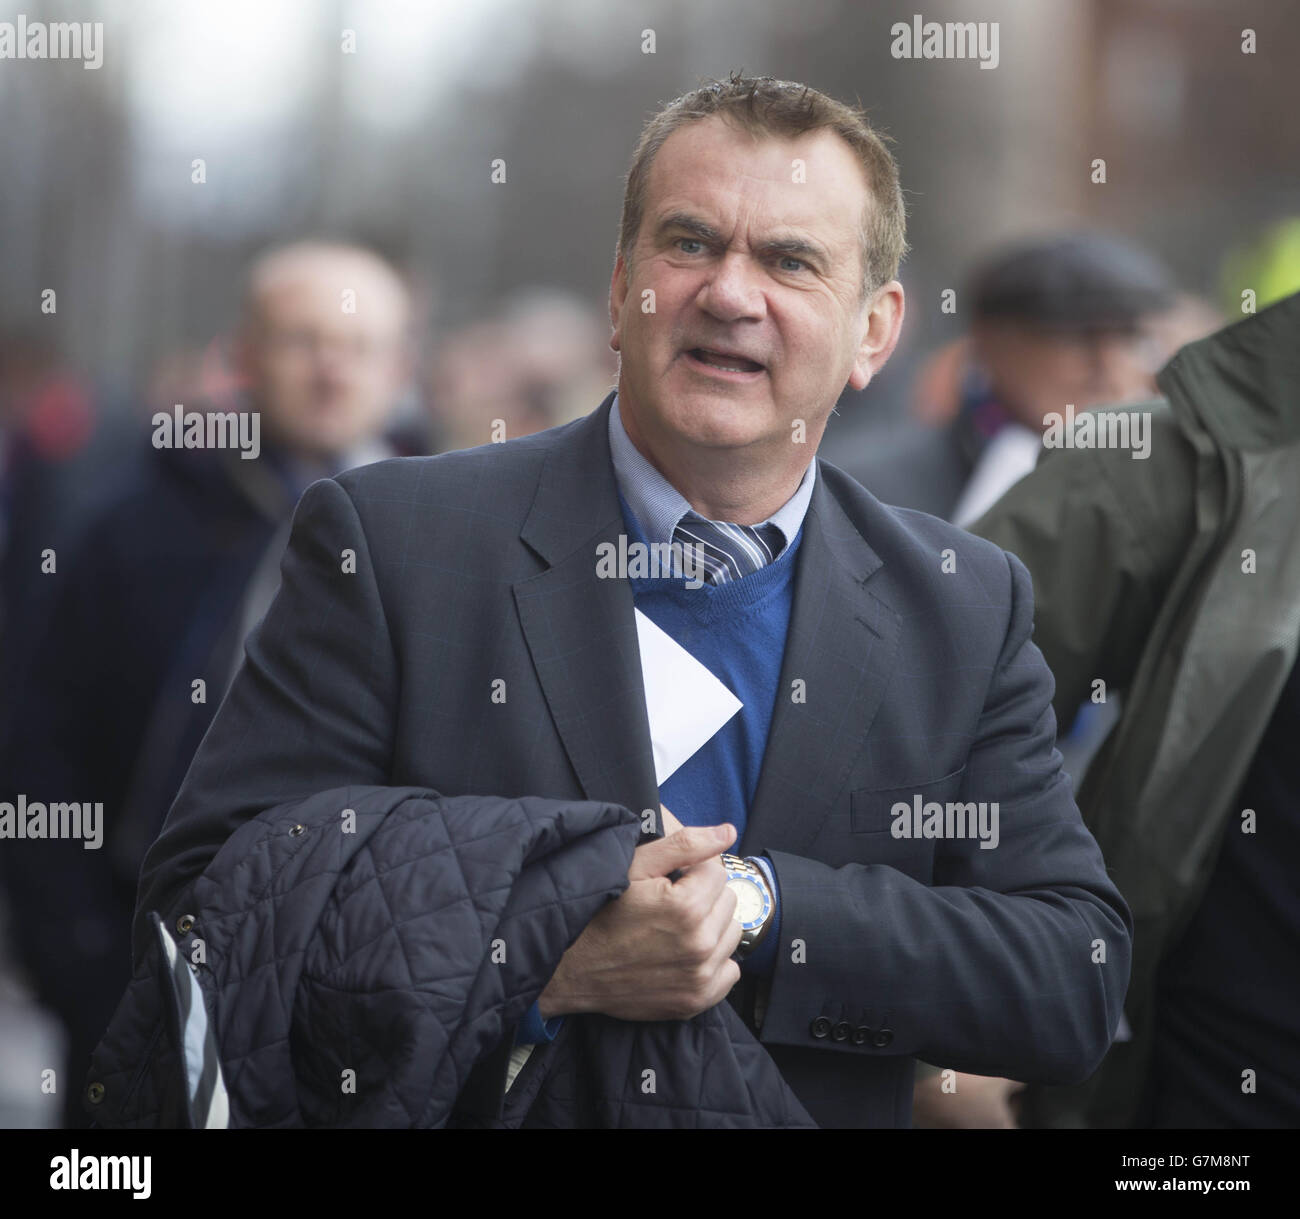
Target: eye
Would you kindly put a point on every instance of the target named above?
(685, 241)
(786, 260)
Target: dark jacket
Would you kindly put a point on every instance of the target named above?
(442, 624)
(103, 708)
(359, 952)
(1142, 579)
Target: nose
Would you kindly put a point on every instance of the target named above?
(336, 355)
(733, 292)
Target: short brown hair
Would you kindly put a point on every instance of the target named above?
(762, 105)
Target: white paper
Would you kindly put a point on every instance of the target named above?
(686, 703)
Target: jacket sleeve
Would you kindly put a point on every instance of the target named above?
(311, 708)
(1101, 534)
(1014, 962)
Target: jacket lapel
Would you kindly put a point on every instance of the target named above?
(842, 646)
(581, 630)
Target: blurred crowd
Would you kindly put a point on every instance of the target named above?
(132, 573)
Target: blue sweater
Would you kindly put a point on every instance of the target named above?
(737, 631)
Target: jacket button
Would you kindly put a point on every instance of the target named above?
(861, 1035)
(820, 1027)
(297, 830)
(841, 1031)
(184, 923)
(95, 1093)
(882, 1038)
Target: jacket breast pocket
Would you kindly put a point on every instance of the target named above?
(872, 817)
(871, 809)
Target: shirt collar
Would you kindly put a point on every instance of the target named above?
(659, 506)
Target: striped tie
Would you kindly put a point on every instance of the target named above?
(729, 552)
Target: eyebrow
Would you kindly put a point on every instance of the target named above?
(799, 247)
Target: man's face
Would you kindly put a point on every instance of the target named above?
(326, 379)
(758, 318)
(1033, 374)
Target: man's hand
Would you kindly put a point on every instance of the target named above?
(980, 1102)
(661, 951)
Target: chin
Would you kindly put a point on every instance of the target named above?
(721, 433)
(723, 419)
(316, 442)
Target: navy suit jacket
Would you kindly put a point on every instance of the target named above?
(412, 589)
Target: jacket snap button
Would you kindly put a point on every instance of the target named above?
(861, 1035)
(820, 1027)
(882, 1038)
(841, 1031)
(297, 830)
(95, 1093)
(184, 923)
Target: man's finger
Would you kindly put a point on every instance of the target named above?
(693, 844)
(721, 925)
(700, 885)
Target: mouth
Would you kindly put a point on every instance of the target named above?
(723, 363)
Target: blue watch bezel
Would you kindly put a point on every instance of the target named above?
(757, 922)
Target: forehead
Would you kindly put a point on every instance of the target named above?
(312, 286)
(732, 177)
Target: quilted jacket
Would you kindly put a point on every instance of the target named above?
(358, 953)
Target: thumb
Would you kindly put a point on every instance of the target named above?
(693, 844)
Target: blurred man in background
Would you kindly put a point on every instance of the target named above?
(151, 604)
(536, 362)
(1078, 318)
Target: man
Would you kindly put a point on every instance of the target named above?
(445, 624)
(152, 603)
(1175, 580)
(1069, 317)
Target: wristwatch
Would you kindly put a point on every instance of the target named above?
(754, 905)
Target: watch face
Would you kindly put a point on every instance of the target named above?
(751, 905)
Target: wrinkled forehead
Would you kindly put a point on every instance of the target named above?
(811, 182)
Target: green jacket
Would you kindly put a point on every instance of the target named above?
(1143, 578)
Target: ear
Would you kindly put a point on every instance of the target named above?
(884, 323)
(617, 297)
